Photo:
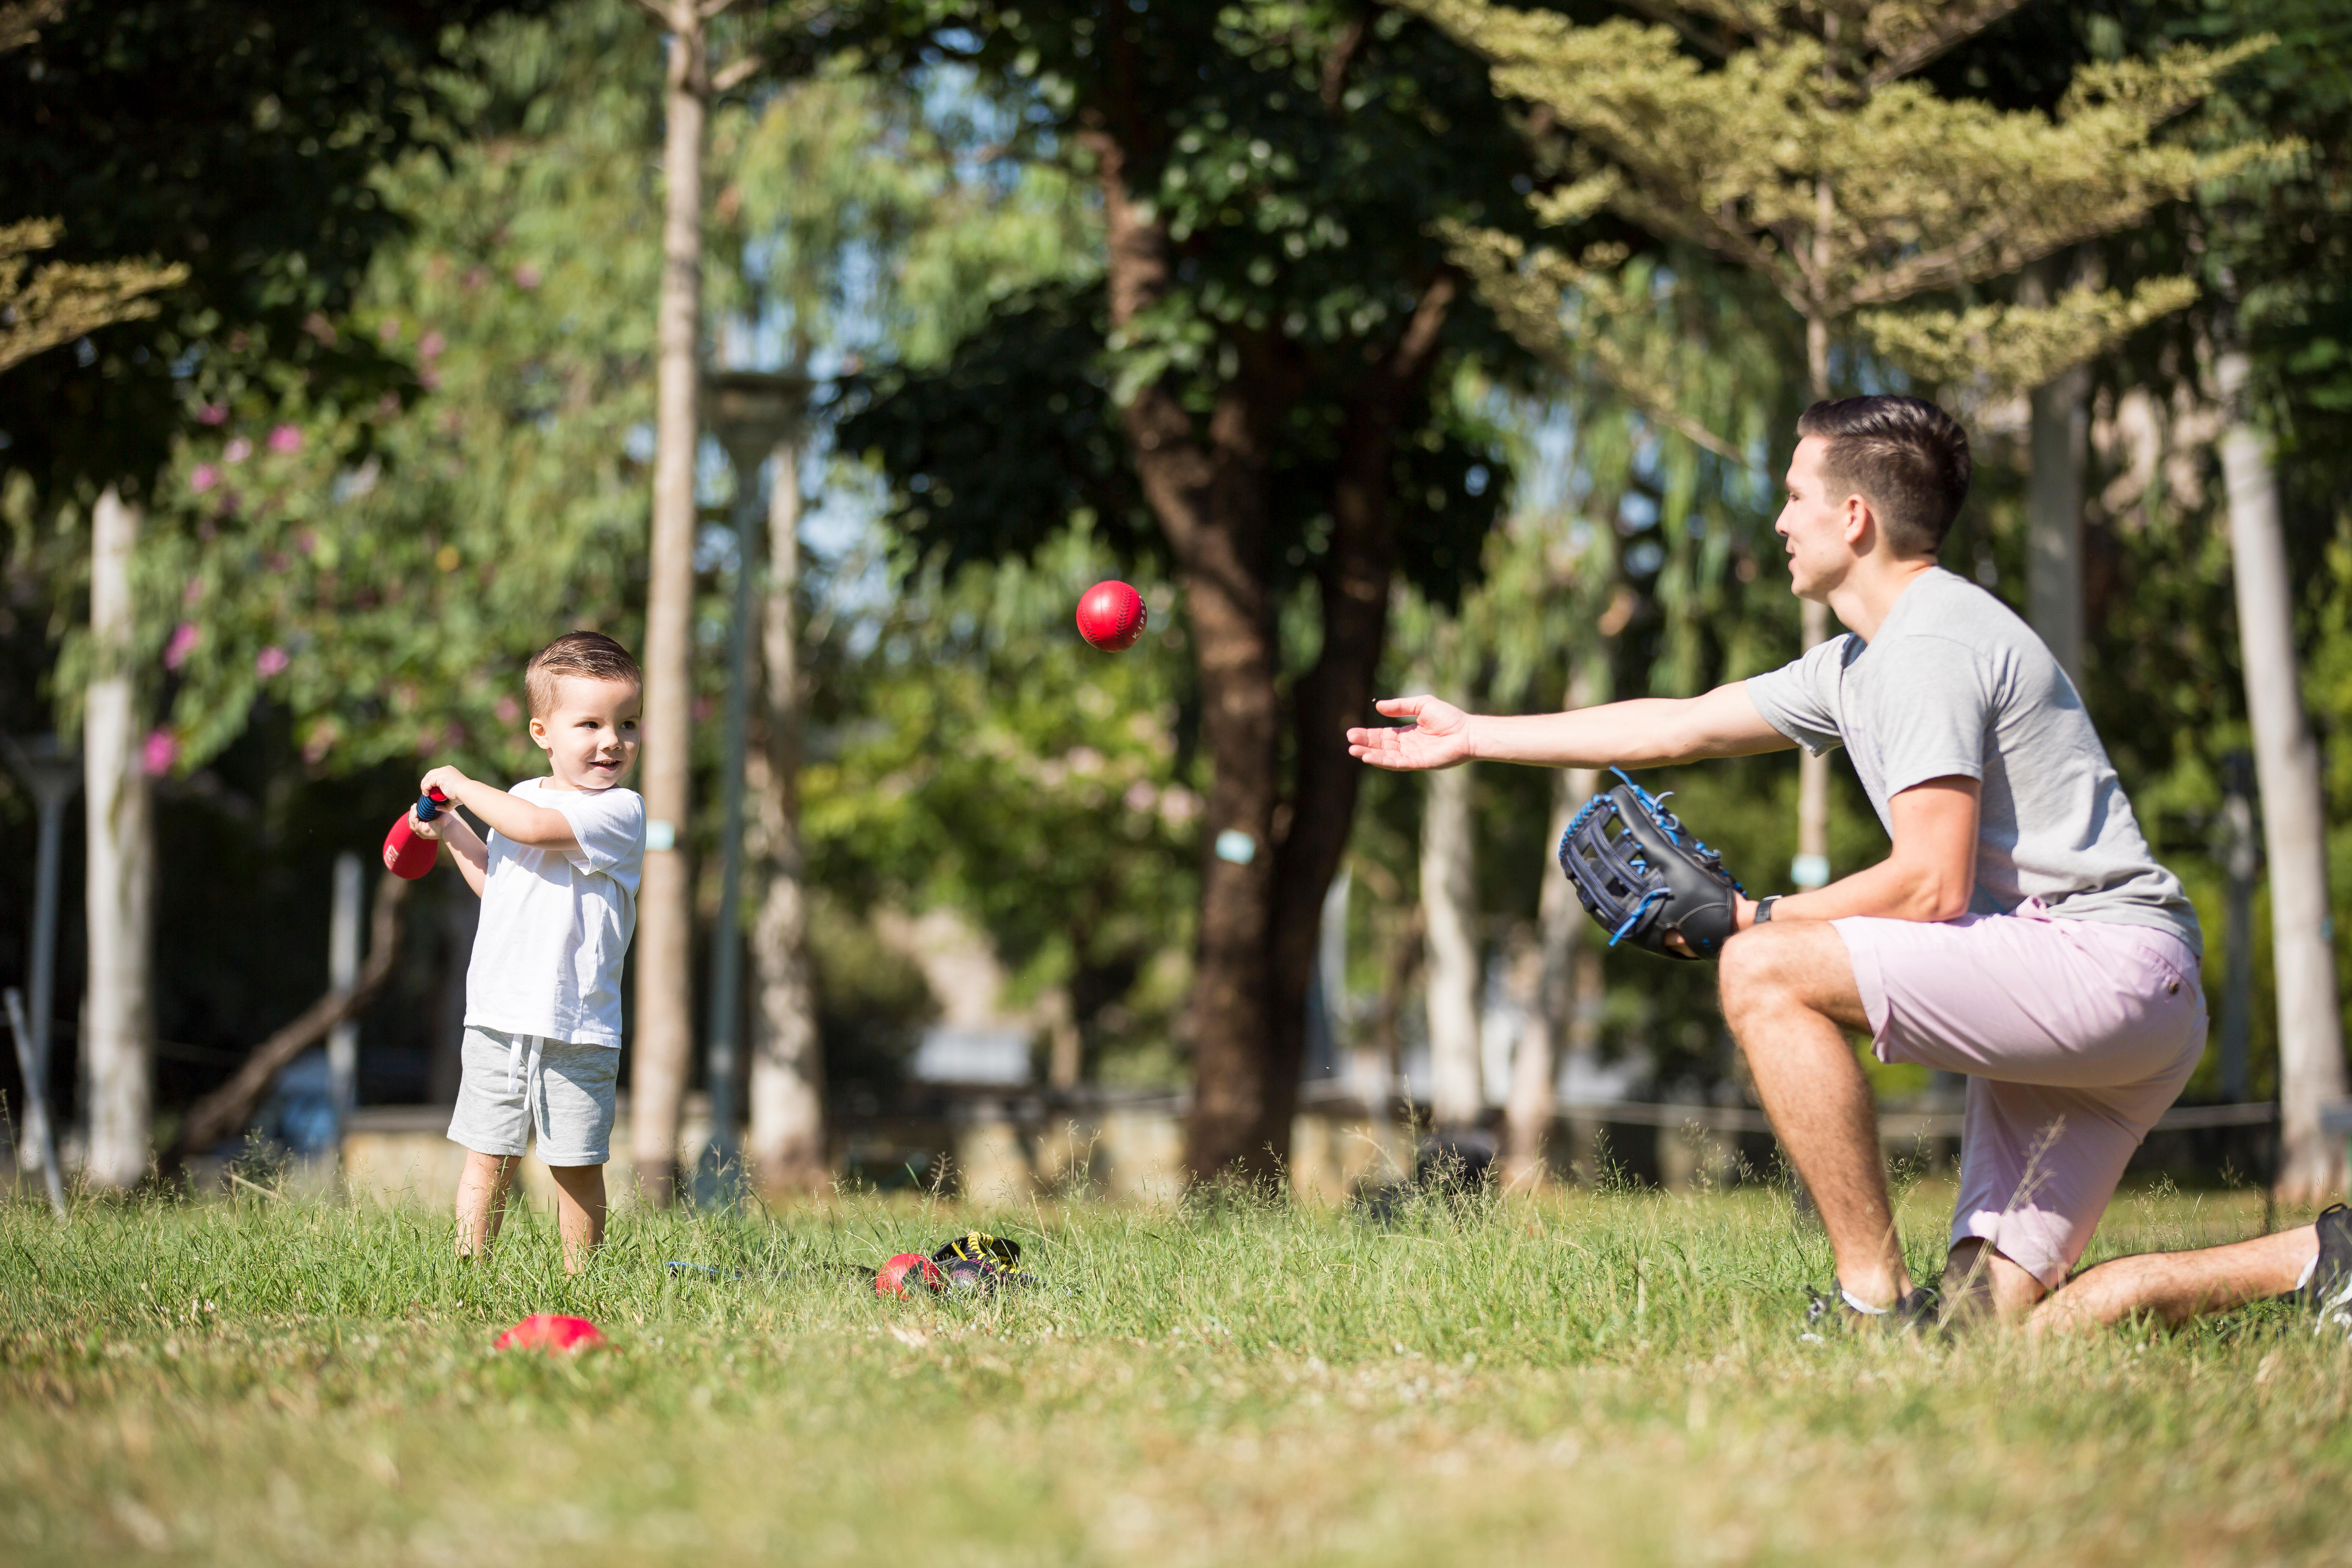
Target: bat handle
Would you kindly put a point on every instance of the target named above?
(429, 804)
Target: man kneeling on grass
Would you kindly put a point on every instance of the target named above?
(2019, 932)
(558, 881)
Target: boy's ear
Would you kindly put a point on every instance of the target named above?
(538, 731)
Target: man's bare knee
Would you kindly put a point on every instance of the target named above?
(1804, 963)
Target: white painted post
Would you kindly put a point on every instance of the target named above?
(342, 975)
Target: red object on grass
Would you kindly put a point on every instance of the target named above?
(892, 1280)
(551, 1331)
(1111, 616)
(405, 855)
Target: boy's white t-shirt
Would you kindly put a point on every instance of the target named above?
(556, 925)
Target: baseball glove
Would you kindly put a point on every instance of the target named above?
(979, 1261)
(1646, 877)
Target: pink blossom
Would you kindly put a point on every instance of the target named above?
(389, 333)
(271, 660)
(306, 541)
(238, 450)
(161, 750)
(204, 477)
(526, 276)
(211, 414)
(430, 349)
(184, 638)
(508, 709)
(286, 438)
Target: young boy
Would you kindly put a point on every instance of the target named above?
(558, 883)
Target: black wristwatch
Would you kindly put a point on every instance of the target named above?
(1764, 907)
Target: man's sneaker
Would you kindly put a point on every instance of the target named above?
(1915, 1310)
(2330, 1288)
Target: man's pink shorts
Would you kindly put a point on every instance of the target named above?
(2075, 1036)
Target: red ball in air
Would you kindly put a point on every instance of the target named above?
(1111, 616)
(551, 1331)
(905, 1268)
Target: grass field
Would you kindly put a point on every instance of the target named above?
(1601, 1378)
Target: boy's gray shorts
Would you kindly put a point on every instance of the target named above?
(515, 1084)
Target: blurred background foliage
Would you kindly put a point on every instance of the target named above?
(401, 436)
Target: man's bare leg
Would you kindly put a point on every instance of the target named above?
(1789, 995)
(482, 1200)
(2175, 1286)
(578, 1212)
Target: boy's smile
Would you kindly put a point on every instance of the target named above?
(589, 735)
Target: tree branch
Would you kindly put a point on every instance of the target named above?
(736, 74)
(1336, 63)
(1946, 24)
(1410, 361)
(227, 1109)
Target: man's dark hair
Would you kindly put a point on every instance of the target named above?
(590, 654)
(1908, 458)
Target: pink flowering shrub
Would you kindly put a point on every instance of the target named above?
(184, 638)
(161, 751)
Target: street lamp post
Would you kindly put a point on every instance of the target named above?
(753, 413)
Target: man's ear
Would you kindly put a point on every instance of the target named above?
(1860, 519)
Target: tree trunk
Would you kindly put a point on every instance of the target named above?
(2053, 552)
(117, 1042)
(787, 1149)
(2286, 761)
(665, 1009)
(1357, 568)
(1449, 898)
(1266, 862)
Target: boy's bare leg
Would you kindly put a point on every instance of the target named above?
(2174, 1286)
(482, 1200)
(578, 1212)
(1789, 995)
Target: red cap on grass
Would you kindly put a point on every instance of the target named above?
(551, 1331)
(892, 1280)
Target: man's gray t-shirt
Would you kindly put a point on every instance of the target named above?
(1956, 684)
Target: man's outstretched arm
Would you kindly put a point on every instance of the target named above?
(1643, 733)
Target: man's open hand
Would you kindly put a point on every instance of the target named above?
(1439, 736)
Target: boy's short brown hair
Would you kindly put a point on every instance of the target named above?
(1908, 456)
(590, 654)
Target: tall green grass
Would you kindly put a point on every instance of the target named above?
(1615, 1377)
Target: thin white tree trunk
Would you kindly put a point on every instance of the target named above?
(2053, 552)
(1449, 897)
(2286, 763)
(1812, 866)
(788, 1145)
(1535, 1066)
(1561, 920)
(665, 1010)
(118, 1021)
